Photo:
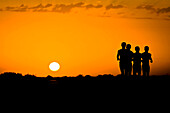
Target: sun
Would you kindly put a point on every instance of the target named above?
(54, 66)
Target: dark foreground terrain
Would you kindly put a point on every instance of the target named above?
(103, 89)
(106, 92)
(101, 82)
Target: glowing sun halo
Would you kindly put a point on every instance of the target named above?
(54, 66)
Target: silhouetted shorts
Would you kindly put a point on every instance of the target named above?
(122, 65)
(136, 68)
(129, 66)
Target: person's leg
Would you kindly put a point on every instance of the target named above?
(134, 70)
(139, 70)
(122, 69)
(126, 70)
(144, 70)
(130, 69)
(148, 71)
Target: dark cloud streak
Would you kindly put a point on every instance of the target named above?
(111, 6)
(67, 8)
(8, 8)
(153, 9)
(93, 6)
(163, 10)
(61, 8)
(21, 8)
(40, 6)
(146, 7)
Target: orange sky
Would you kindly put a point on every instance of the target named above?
(84, 41)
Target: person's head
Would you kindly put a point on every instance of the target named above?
(128, 47)
(123, 45)
(146, 48)
(137, 49)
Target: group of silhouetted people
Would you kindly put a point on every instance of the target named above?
(126, 57)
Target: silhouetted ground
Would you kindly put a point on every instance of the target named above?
(103, 89)
(101, 82)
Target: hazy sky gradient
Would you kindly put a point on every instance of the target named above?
(82, 35)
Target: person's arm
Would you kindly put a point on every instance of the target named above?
(118, 55)
(151, 58)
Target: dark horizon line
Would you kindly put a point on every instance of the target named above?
(79, 75)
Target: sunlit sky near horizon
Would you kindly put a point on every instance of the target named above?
(83, 36)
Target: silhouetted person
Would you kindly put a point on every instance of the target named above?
(146, 57)
(137, 61)
(129, 56)
(121, 57)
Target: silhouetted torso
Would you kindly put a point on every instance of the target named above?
(129, 56)
(146, 57)
(122, 54)
(137, 63)
(137, 58)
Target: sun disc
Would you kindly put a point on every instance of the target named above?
(54, 66)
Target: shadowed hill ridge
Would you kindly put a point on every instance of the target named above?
(80, 82)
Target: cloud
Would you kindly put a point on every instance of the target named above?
(67, 8)
(163, 10)
(93, 6)
(144, 18)
(146, 7)
(36, 7)
(41, 8)
(155, 10)
(111, 6)
(80, 4)
(48, 5)
(8, 8)
(62, 8)
(21, 8)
